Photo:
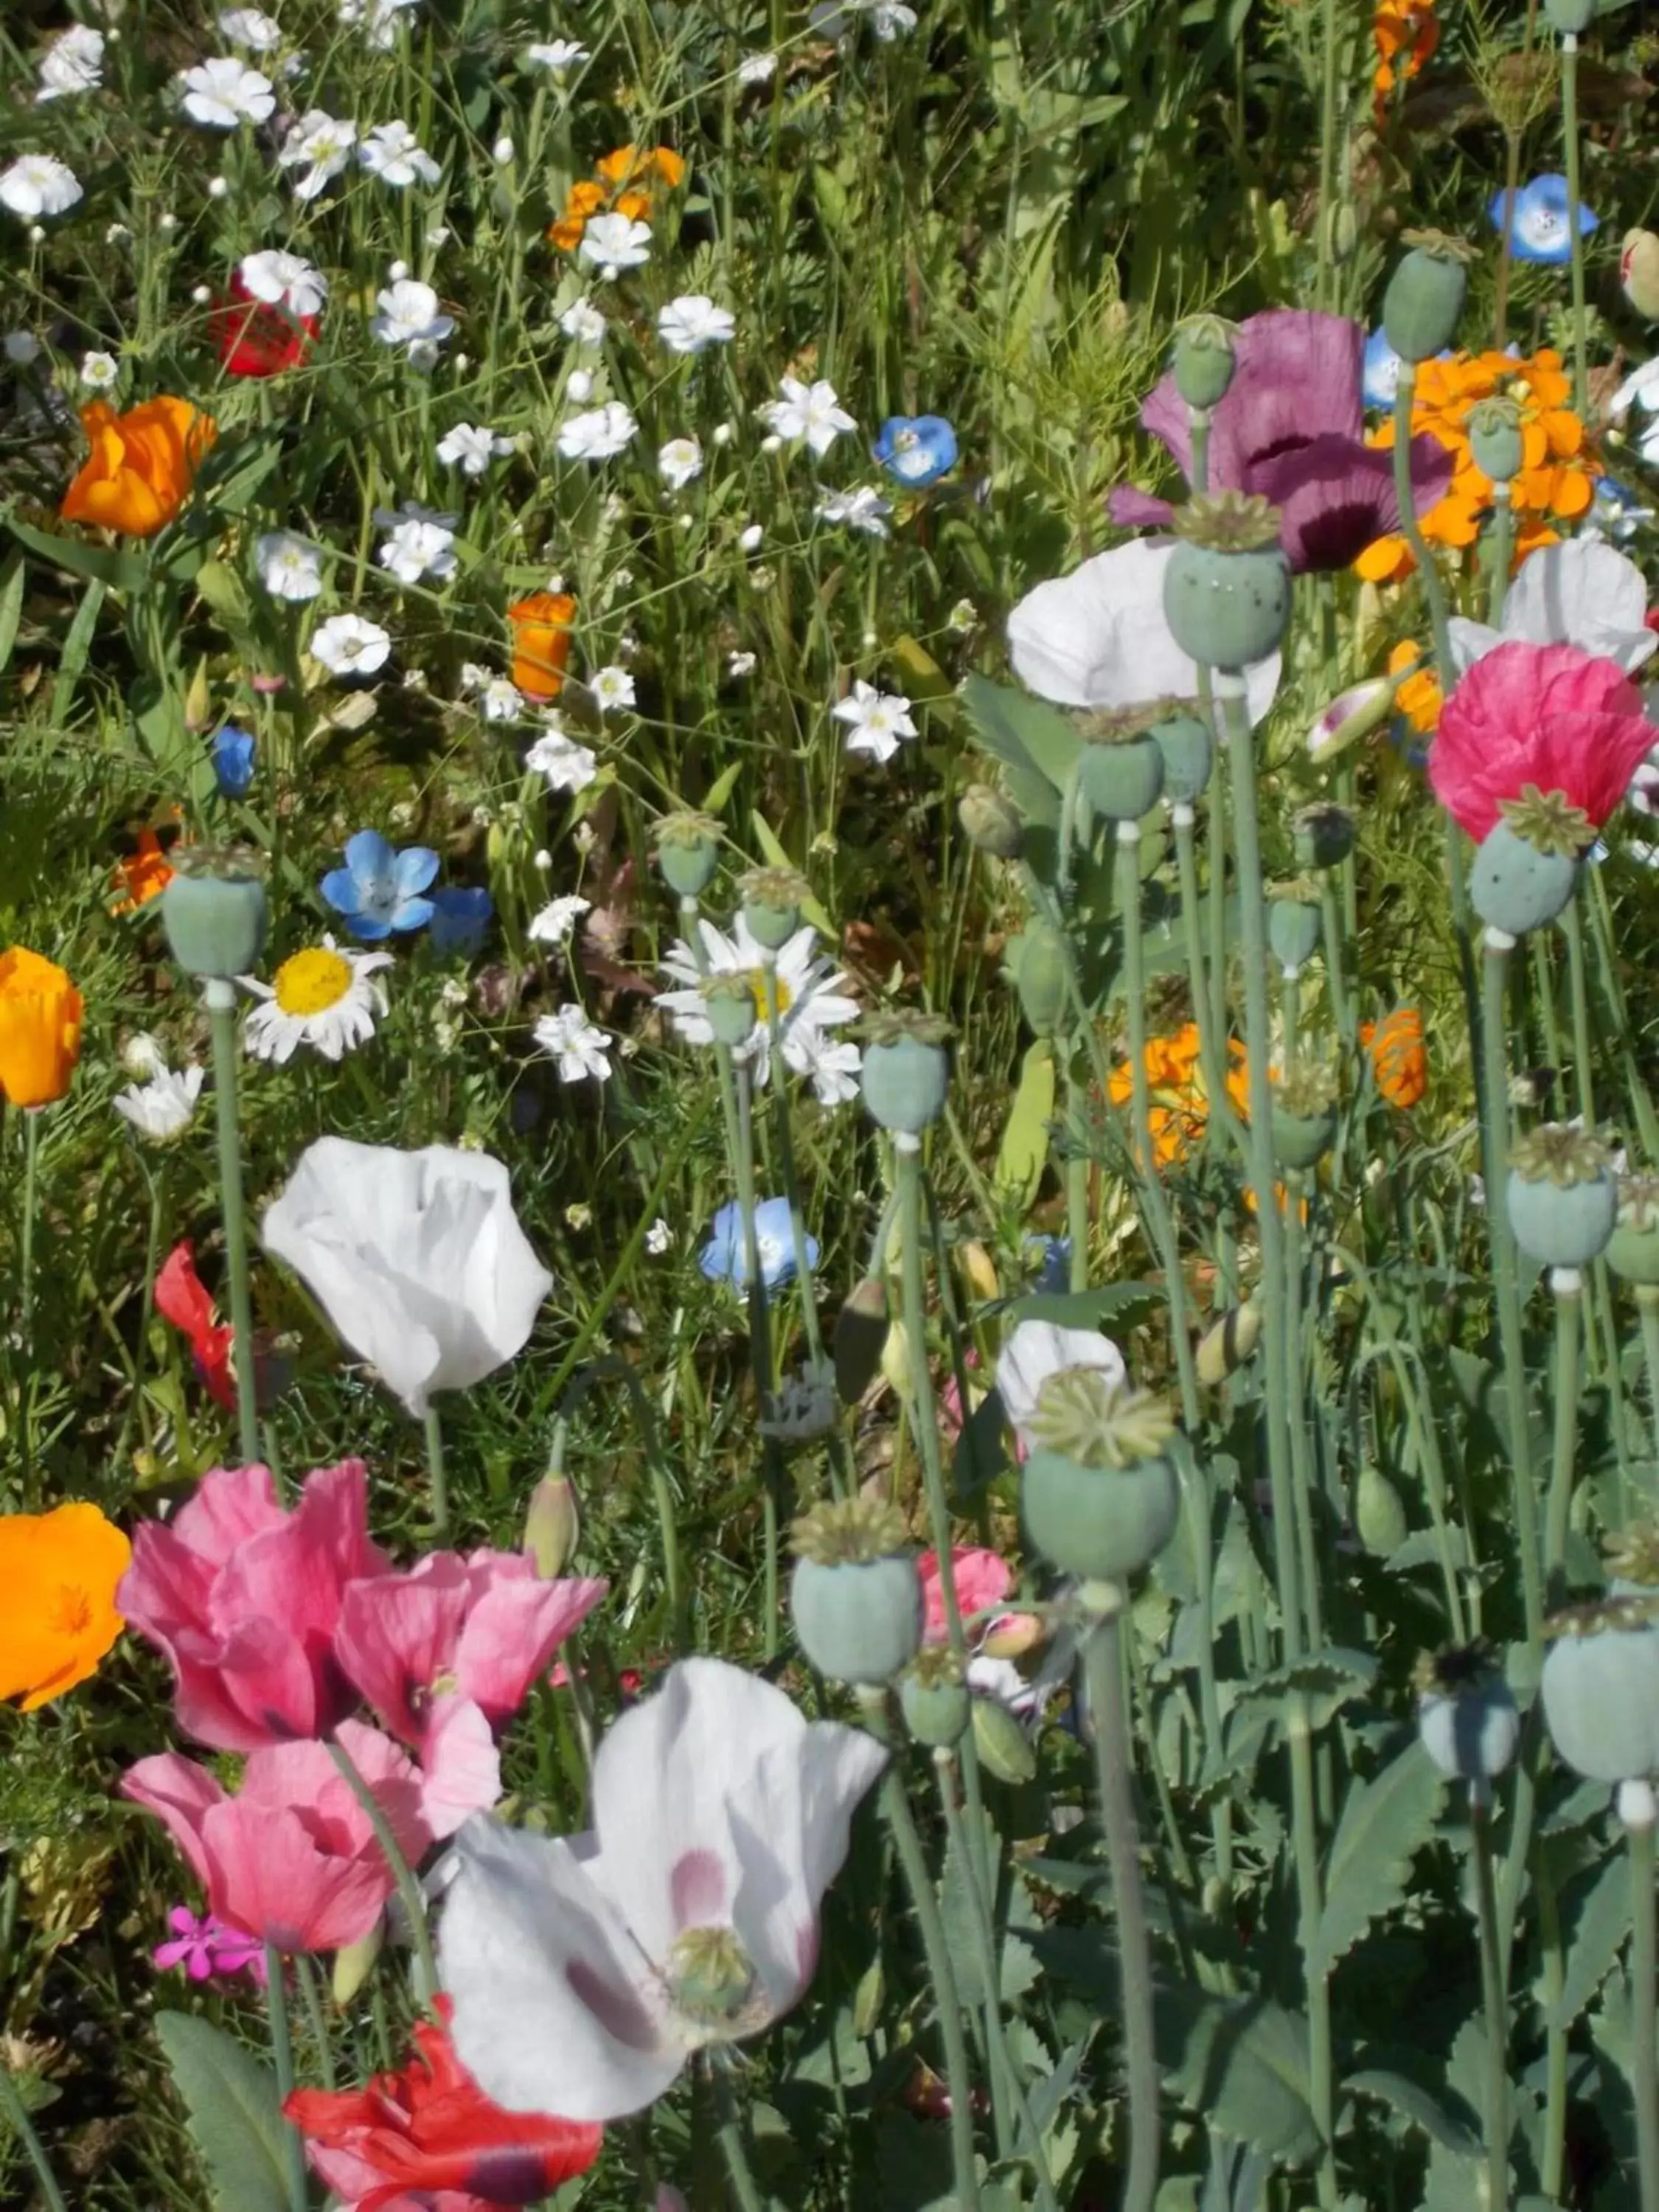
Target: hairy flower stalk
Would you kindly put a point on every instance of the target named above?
(220, 996)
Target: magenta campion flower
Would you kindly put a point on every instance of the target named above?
(204, 1946)
(1291, 428)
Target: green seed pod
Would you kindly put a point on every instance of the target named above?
(1292, 931)
(1570, 17)
(1121, 778)
(1561, 1197)
(1003, 1746)
(1514, 887)
(1204, 359)
(1188, 751)
(1466, 1719)
(906, 1070)
(214, 909)
(1600, 1691)
(860, 1333)
(935, 1699)
(1039, 972)
(771, 905)
(1227, 587)
(1302, 1140)
(688, 852)
(1494, 429)
(991, 822)
(729, 1002)
(1227, 1344)
(1100, 1499)
(855, 1596)
(1324, 836)
(1633, 1248)
(1424, 298)
(1379, 1517)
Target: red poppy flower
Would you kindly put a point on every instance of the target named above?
(253, 339)
(430, 2134)
(181, 1297)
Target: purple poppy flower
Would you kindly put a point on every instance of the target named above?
(206, 1946)
(1291, 428)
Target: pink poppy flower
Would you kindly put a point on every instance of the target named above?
(244, 1597)
(982, 1579)
(292, 1858)
(1548, 715)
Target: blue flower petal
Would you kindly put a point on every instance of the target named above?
(233, 753)
(410, 914)
(370, 858)
(1539, 219)
(370, 928)
(340, 888)
(415, 867)
(916, 449)
(461, 915)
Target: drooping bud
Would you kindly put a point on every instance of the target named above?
(214, 909)
(907, 1069)
(1203, 358)
(1424, 298)
(990, 822)
(552, 1526)
(1038, 963)
(771, 904)
(1379, 1518)
(855, 1596)
(354, 1962)
(1002, 1744)
(688, 851)
(1227, 1344)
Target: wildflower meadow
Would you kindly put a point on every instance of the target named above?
(829, 1180)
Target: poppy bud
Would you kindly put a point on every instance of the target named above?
(990, 822)
(1424, 298)
(855, 1597)
(936, 1702)
(1227, 1344)
(861, 1335)
(1638, 272)
(1379, 1518)
(906, 1070)
(552, 1526)
(1004, 1748)
(214, 909)
(897, 1372)
(1227, 587)
(1204, 359)
(354, 1962)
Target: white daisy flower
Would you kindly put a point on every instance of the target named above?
(321, 997)
(612, 688)
(658, 1238)
(864, 510)
(811, 993)
(559, 55)
(580, 1048)
(392, 152)
(349, 645)
(597, 434)
(615, 242)
(807, 410)
(250, 27)
(583, 324)
(36, 184)
(470, 449)
(161, 1107)
(73, 63)
(409, 317)
(566, 765)
(289, 568)
(224, 92)
(421, 541)
(678, 462)
(693, 323)
(319, 146)
(284, 280)
(875, 721)
(556, 919)
(98, 371)
(757, 69)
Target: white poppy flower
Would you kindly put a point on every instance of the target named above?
(598, 434)
(693, 323)
(566, 765)
(98, 371)
(250, 27)
(572, 1040)
(583, 324)
(1098, 638)
(875, 721)
(223, 92)
(420, 544)
(416, 1257)
(612, 688)
(284, 280)
(74, 62)
(720, 1818)
(470, 449)
(678, 462)
(559, 55)
(322, 998)
(864, 510)
(392, 152)
(807, 410)
(615, 242)
(1580, 592)
(319, 146)
(349, 645)
(161, 1107)
(36, 184)
(554, 924)
(409, 316)
(1038, 1349)
(811, 993)
(289, 567)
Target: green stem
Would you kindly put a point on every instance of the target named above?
(1568, 1288)
(1433, 591)
(1647, 1307)
(16, 2116)
(733, 2149)
(1103, 1660)
(220, 996)
(282, 2055)
(1181, 818)
(1645, 2059)
(403, 1874)
(1575, 235)
(1501, 552)
(760, 1332)
(1348, 1024)
(26, 1257)
(1506, 248)
(304, 1975)
(1198, 423)
(436, 1475)
(1327, 160)
(907, 1151)
(1077, 1171)
(1301, 1430)
(1497, 2116)
(787, 1162)
(1572, 928)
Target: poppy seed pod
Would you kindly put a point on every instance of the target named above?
(771, 905)
(1188, 751)
(1292, 931)
(1601, 1691)
(906, 1070)
(1099, 1499)
(1515, 887)
(1494, 433)
(935, 1699)
(214, 909)
(728, 1000)
(688, 852)
(1204, 359)
(855, 1597)
(1038, 965)
(1633, 1248)
(1121, 773)
(1324, 836)
(1302, 1140)
(1466, 1719)
(1561, 1197)
(1570, 17)
(1227, 587)
(991, 822)
(1424, 298)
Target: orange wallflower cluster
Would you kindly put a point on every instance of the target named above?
(1400, 1060)
(622, 185)
(1179, 1105)
(1557, 482)
(1404, 33)
(142, 465)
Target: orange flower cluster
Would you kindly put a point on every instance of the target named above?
(141, 876)
(541, 642)
(141, 467)
(1557, 482)
(60, 1572)
(40, 1012)
(1400, 1060)
(1179, 1105)
(1404, 33)
(622, 185)
(1418, 698)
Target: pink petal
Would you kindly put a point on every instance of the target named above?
(181, 1795)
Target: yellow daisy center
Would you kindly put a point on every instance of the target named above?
(781, 991)
(313, 981)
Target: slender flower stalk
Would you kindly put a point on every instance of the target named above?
(220, 995)
(1572, 928)
(31, 1200)
(1575, 233)
(1647, 1308)
(760, 1337)
(733, 2148)
(1493, 1978)
(1433, 591)
(403, 1874)
(1567, 1290)
(15, 2114)
(437, 1476)
(282, 2055)
(1500, 552)
(787, 1162)
(1635, 1806)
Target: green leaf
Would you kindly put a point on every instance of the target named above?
(1023, 1152)
(722, 787)
(1385, 1823)
(956, 1905)
(222, 587)
(1241, 2063)
(924, 679)
(235, 2117)
(1023, 732)
(77, 647)
(11, 607)
(766, 838)
(1598, 1930)
(1123, 1304)
(1415, 2104)
(101, 564)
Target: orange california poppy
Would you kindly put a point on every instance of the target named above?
(581, 201)
(141, 467)
(540, 641)
(40, 1012)
(60, 1572)
(141, 876)
(1398, 1057)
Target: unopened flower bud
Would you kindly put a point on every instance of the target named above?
(552, 1526)
(1227, 1344)
(1003, 1746)
(990, 822)
(1204, 359)
(861, 1335)
(354, 1962)
(1038, 961)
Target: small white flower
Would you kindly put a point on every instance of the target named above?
(810, 411)
(750, 540)
(21, 347)
(250, 27)
(678, 461)
(36, 184)
(598, 434)
(470, 449)
(501, 152)
(161, 1107)
(864, 510)
(566, 765)
(554, 924)
(580, 1048)
(319, 145)
(579, 385)
(409, 317)
(875, 721)
(615, 242)
(757, 69)
(98, 371)
(224, 92)
(500, 700)
(839, 19)
(141, 1056)
(284, 280)
(963, 617)
(559, 55)
(200, 295)
(392, 152)
(612, 688)
(829, 1064)
(740, 665)
(349, 645)
(658, 1238)
(583, 324)
(289, 567)
(693, 323)
(421, 541)
(217, 187)
(809, 992)
(322, 998)
(378, 19)
(73, 63)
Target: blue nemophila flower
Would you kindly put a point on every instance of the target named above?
(721, 1258)
(1538, 223)
(378, 891)
(916, 449)
(461, 916)
(1616, 512)
(233, 761)
(1054, 1254)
